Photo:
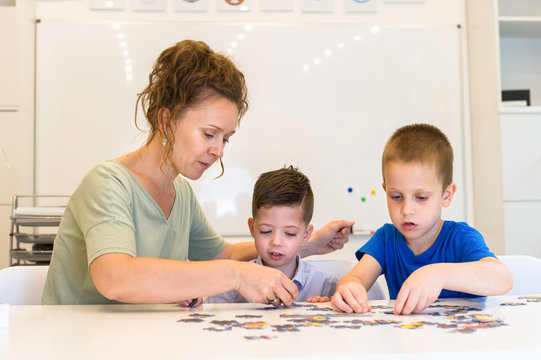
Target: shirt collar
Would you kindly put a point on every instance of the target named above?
(301, 275)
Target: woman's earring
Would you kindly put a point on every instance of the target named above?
(164, 141)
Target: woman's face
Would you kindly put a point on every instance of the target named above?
(201, 134)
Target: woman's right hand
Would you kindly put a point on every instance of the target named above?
(263, 284)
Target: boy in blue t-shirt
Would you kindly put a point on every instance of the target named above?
(422, 256)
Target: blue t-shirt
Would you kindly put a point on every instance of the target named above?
(457, 242)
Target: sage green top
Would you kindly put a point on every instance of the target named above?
(110, 212)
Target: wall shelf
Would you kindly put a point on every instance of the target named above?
(520, 110)
(520, 26)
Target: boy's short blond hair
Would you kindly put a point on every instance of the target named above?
(421, 143)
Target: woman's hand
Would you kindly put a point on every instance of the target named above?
(265, 285)
(329, 238)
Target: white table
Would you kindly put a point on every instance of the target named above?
(154, 332)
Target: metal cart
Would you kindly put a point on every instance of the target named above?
(34, 222)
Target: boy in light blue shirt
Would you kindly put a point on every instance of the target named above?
(422, 256)
(282, 208)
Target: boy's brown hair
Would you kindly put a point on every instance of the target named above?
(286, 186)
(421, 143)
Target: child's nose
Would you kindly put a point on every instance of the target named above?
(276, 239)
(407, 208)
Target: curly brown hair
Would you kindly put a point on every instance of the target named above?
(183, 76)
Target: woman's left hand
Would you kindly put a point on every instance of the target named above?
(329, 238)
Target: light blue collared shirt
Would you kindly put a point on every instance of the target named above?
(309, 280)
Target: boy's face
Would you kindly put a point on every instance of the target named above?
(279, 232)
(415, 199)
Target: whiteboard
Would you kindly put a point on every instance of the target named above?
(323, 97)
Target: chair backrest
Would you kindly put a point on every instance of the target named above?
(22, 285)
(339, 268)
(526, 271)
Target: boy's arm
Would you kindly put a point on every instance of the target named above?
(351, 290)
(485, 277)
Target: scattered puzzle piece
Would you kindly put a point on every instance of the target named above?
(217, 329)
(531, 298)
(255, 325)
(259, 337)
(196, 315)
(190, 320)
(512, 304)
(460, 319)
(285, 328)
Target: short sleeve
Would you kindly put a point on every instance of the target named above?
(375, 247)
(473, 246)
(103, 212)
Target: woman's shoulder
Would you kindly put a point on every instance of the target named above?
(106, 175)
(108, 168)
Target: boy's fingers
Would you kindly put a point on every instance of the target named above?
(410, 303)
(400, 300)
(339, 304)
(361, 298)
(354, 300)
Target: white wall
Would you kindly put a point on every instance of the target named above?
(416, 14)
(431, 12)
(16, 110)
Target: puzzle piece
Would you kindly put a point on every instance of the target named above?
(259, 337)
(197, 320)
(255, 325)
(285, 328)
(512, 304)
(197, 315)
(531, 298)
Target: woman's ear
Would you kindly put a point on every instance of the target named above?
(448, 194)
(164, 118)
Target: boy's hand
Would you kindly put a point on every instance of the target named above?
(419, 290)
(350, 296)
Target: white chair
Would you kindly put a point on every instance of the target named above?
(526, 271)
(339, 268)
(22, 285)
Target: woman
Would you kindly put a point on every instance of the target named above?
(132, 224)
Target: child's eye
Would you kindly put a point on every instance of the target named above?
(208, 135)
(395, 197)
(291, 234)
(226, 140)
(264, 232)
(422, 198)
